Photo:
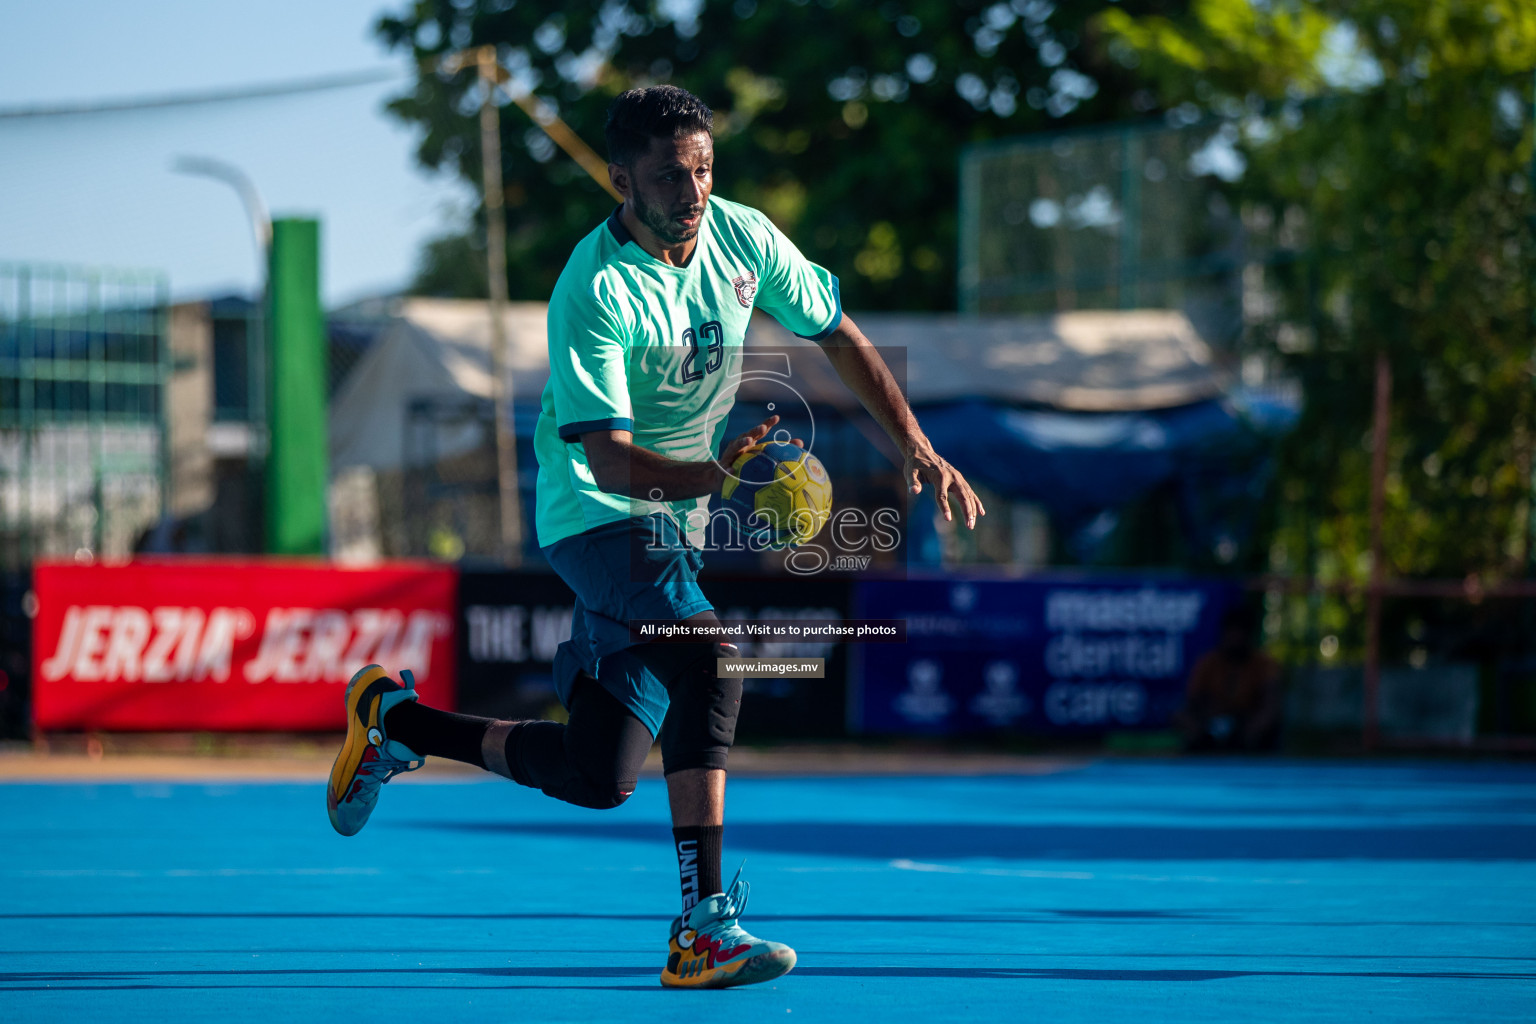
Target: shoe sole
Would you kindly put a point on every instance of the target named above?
(344, 769)
(760, 968)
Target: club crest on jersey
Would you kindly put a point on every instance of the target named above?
(746, 288)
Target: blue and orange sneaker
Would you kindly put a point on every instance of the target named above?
(368, 758)
(710, 950)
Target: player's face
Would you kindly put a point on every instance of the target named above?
(670, 184)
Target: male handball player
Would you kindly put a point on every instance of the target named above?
(646, 326)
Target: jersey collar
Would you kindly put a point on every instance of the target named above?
(622, 235)
(616, 225)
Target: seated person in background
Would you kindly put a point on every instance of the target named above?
(1233, 700)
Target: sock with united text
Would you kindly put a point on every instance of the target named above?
(698, 862)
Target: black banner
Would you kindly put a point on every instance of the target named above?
(512, 622)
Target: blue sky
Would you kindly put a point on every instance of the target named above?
(97, 190)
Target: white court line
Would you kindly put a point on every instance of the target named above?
(188, 872)
(1395, 880)
(952, 869)
(955, 869)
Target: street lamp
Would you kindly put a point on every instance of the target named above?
(255, 207)
(255, 323)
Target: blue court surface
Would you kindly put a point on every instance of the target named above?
(1119, 891)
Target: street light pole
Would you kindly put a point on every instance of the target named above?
(255, 333)
(255, 324)
(250, 197)
(496, 271)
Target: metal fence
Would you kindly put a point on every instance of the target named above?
(1457, 664)
(1124, 216)
(84, 362)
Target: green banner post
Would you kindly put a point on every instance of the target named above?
(297, 454)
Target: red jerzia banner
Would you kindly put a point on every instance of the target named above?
(231, 645)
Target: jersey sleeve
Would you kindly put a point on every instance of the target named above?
(796, 292)
(588, 367)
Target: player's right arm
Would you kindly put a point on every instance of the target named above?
(619, 466)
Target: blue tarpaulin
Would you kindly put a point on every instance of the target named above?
(1081, 467)
(1080, 463)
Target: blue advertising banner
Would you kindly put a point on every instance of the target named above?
(1035, 655)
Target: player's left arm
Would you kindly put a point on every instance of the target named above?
(859, 365)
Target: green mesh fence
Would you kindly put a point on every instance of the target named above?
(84, 360)
(1124, 217)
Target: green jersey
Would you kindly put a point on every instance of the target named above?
(640, 345)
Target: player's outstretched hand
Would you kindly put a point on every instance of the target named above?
(927, 463)
(750, 438)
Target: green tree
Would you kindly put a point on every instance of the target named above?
(452, 266)
(1389, 143)
(841, 120)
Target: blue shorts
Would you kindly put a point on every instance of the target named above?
(637, 568)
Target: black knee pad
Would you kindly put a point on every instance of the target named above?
(701, 721)
(596, 786)
(592, 761)
(597, 794)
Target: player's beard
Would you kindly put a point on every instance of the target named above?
(658, 220)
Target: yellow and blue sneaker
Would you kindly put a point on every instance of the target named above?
(710, 950)
(368, 758)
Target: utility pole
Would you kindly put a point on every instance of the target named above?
(1381, 426)
(491, 76)
(496, 272)
(1530, 514)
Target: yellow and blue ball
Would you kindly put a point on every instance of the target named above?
(781, 494)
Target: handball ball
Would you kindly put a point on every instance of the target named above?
(781, 494)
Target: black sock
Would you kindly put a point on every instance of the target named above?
(698, 861)
(433, 733)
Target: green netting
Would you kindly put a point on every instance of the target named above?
(1125, 217)
(84, 360)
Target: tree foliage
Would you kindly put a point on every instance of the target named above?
(452, 266)
(842, 120)
(1388, 142)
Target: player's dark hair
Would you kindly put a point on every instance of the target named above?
(660, 112)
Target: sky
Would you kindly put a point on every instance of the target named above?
(97, 190)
